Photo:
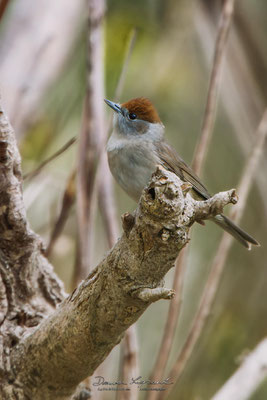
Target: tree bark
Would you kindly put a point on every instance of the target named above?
(29, 289)
(48, 351)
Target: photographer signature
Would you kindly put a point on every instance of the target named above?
(101, 381)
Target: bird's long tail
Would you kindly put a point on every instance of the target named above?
(243, 237)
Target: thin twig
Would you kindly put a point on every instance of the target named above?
(105, 186)
(129, 366)
(121, 80)
(212, 99)
(171, 322)
(220, 257)
(67, 202)
(3, 6)
(197, 163)
(125, 64)
(251, 167)
(248, 377)
(242, 111)
(58, 153)
(91, 139)
(47, 51)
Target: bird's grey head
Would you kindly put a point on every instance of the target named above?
(136, 118)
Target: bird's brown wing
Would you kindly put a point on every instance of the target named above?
(172, 162)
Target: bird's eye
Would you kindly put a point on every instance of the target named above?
(132, 116)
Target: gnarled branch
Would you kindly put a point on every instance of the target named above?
(68, 344)
(77, 337)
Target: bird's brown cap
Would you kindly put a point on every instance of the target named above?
(143, 108)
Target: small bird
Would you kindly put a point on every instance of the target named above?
(137, 145)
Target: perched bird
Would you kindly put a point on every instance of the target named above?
(137, 145)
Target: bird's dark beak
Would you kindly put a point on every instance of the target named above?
(116, 107)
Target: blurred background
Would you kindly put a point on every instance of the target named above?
(42, 85)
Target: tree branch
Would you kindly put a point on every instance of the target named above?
(36, 171)
(70, 344)
(219, 260)
(248, 377)
(3, 6)
(105, 185)
(30, 290)
(91, 139)
(40, 53)
(129, 365)
(201, 150)
(212, 99)
(68, 200)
